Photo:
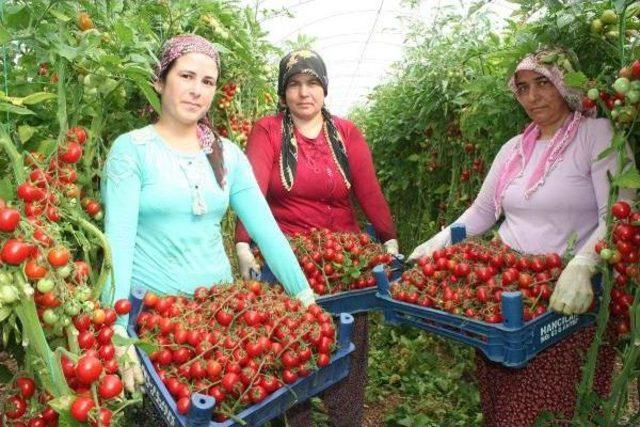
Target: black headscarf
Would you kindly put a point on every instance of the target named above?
(307, 62)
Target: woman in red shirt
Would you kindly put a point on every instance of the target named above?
(311, 166)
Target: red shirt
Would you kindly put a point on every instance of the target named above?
(319, 196)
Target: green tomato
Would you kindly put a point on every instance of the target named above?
(5, 278)
(88, 306)
(613, 34)
(72, 307)
(65, 271)
(49, 317)
(609, 16)
(65, 321)
(596, 26)
(633, 96)
(593, 94)
(635, 85)
(606, 254)
(622, 85)
(45, 285)
(8, 294)
(614, 114)
(82, 293)
(58, 329)
(107, 86)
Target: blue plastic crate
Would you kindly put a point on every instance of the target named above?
(512, 343)
(352, 302)
(273, 406)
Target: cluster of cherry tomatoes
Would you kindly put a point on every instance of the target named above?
(468, 279)
(238, 343)
(338, 262)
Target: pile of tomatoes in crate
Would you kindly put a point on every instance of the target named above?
(338, 262)
(623, 254)
(237, 343)
(468, 279)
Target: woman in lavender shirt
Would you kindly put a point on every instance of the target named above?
(549, 185)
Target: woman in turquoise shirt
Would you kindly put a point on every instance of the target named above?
(167, 186)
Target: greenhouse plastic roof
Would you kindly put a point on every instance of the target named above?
(358, 39)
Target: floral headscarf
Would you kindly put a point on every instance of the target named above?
(551, 63)
(209, 140)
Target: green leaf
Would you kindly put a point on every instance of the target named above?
(442, 189)
(38, 97)
(62, 403)
(59, 15)
(68, 52)
(577, 79)
(119, 340)
(147, 347)
(628, 179)
(5, 36)
(413, 158)
(149, 93)
(10, 108)
(606, 153)
(123, 32)
(25, 132)
(47, 146)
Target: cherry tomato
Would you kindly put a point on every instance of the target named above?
(80, 408)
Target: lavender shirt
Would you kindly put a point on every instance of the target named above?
(573, 198)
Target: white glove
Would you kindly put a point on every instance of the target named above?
(391, 246)
(246, 260)
(573, 293)
(439, 241)
(128, 362)
(306, 297)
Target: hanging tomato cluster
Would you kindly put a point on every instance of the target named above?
(623, 102)
(338, 262)
(32, 239)
(25, 404)
(623, 255)
(238, 343)
(468, 279)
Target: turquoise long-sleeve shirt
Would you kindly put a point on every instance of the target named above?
(150, 193)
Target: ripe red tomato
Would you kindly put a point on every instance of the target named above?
(34, 271)
(621, 209)
(323, 360)
(257, 394)
(289, 376)
(15, 407)
(81, 322)
(104, 418)
(58, 257)
(14, 252)
(80, 408)
(183, 404)
(93, 208)
(71, 153)
(88, 369)
(27, 386)
(30, 193)
(230, 382)
(77, 134)
(9, 219)
(122, 306)
(110, 386)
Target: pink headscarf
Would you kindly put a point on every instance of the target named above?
(209, 140)
(521, 153)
